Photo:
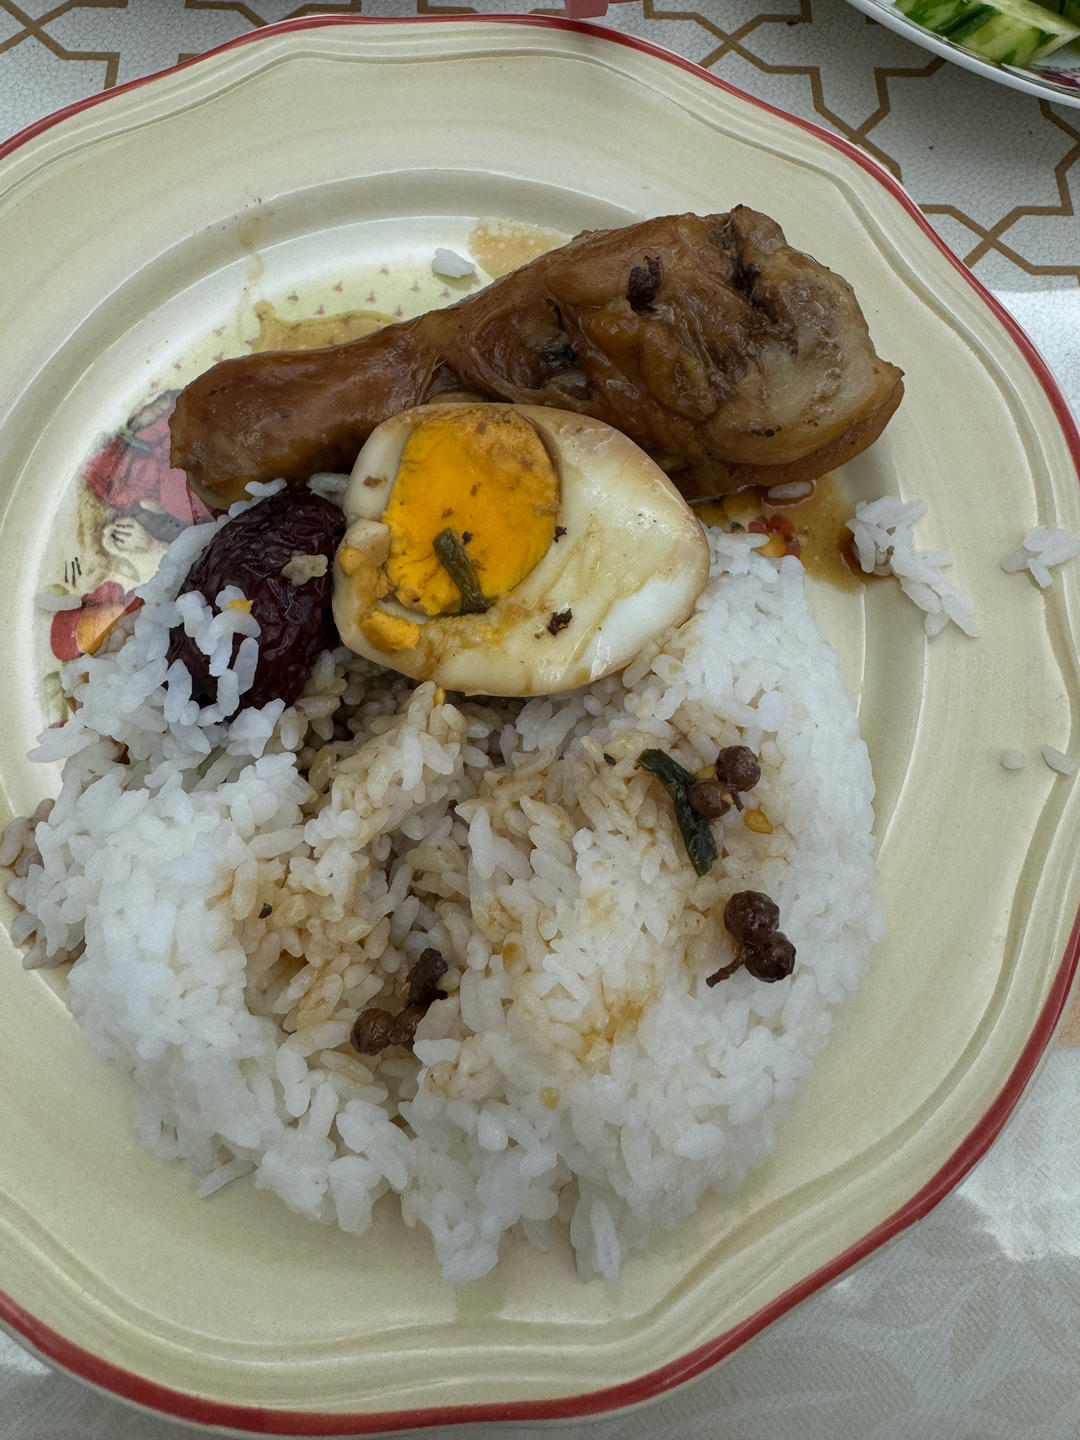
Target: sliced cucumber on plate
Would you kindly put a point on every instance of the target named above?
(1011, 32)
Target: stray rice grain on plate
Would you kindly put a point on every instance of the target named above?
(884, 537)
(1041, 548)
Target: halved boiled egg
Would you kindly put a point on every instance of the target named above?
(511, 549)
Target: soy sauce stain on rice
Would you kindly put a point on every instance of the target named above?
(541, 872)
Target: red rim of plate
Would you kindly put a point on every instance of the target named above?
(258, 1420)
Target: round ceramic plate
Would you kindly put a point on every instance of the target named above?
(311, 161)
(1056, 78)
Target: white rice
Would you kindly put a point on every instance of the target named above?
(793, 490)
(884, 532)
(239, 887)
(330, 485)
(301, 568)
(451, 265)
(1058, 760)
(1041, 548)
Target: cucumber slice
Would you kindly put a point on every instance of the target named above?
(933, 14)
(1070, 10)
(1011, 32)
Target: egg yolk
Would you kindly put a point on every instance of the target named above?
(390, 632)
(485, 476)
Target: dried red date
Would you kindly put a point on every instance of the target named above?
(295, 621)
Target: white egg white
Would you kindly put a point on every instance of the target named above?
(630, 565)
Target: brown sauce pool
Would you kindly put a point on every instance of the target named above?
(316, 331)
(502, 247)
(818, 518)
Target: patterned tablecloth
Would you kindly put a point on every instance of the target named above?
(969, 1324)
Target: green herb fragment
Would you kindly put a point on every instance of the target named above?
(451, 555)
(696, 829)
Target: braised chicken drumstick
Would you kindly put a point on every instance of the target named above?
(730, 357)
